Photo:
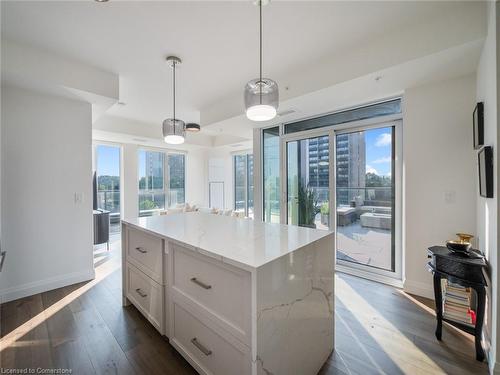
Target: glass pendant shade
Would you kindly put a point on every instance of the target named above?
(174, 131)
(261, 99)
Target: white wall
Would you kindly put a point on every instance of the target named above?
(487, 208)
(46, 159)
(439, 172)
(130, 199)
(220, 168)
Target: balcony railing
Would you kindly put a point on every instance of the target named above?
(153, 200)
(109, 200)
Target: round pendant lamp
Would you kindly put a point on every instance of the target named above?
(174, 130)
(261, 95)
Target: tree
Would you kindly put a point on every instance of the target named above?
(374, 180)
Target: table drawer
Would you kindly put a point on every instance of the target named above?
(209, 350)
(219, 288)
(145, 252)
(147, 295)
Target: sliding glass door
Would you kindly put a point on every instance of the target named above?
(365, 188)
(308, 182)
(356, 170)
(243, 184)
(271, 174)
(107, 163)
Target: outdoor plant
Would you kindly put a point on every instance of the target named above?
(308, 205)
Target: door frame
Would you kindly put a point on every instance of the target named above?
(389, 277)
(95, 156)
(284, 140)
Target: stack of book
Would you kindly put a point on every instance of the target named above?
(457, 304)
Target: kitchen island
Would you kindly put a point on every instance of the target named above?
(234, 296)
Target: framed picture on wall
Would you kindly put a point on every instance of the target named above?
(485, 162)
(478, 121)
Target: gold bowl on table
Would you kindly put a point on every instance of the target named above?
(458, 246)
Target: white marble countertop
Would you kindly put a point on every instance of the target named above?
(242, 242)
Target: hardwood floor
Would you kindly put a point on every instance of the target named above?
(83, 327)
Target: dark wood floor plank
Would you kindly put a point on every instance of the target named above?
(68, 349)
(379, 330)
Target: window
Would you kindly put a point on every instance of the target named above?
(151, 186)
(380, 109)
(107, 159)
(176, 178)
(243, 184)
(271, 174)
(162, 180)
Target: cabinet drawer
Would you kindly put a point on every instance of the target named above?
(210, 352)
(145, 252)
(221, 289)
(146, 295)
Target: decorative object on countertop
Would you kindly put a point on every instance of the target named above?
(461, 302)
(478, 125)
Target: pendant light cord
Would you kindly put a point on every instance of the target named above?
(260, 49)
(173, 66)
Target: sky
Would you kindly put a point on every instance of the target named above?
(378, 151)
(108, 160)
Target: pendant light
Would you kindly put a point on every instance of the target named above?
(261, 94)
(192, 127)
(174, 130)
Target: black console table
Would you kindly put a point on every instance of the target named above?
(464, 271)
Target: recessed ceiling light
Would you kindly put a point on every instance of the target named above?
(101, 1)
(120, 103)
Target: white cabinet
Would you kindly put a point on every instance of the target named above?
(233, 296)
(208, 350)
(146, 295)
(217, 289)
(145, 252)
(143, 265)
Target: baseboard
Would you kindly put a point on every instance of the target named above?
(494, 368)
(29, 289)
(369, 275)
(418, 288)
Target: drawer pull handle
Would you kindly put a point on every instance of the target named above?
(200, 283)
(201, 348)
(141, 250)
(141, 293)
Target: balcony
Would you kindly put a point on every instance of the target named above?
(109, 200)
(364, 222)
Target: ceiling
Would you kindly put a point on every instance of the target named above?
(218, 42)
